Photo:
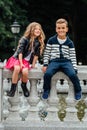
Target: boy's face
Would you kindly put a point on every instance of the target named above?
(61, 29)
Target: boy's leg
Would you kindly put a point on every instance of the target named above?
(51, 70)
(70, 72)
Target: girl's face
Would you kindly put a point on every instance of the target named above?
(61, 30)
(37, 31)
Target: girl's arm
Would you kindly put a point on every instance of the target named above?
(34, 61)
(20, 60)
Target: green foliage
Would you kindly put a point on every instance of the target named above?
(6, 14)
(45, 12)
(81, 106)
(11, 10)
(62, 108)
(85, 1)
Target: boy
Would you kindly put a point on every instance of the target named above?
(59, 55)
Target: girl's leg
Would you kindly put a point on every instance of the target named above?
(24, 82)
(15, 74)
(16, 71)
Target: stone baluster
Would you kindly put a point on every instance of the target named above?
(85, 100)
(63, 88)
(5, 85)
(85, 91)
(14, 101)
(40, 87)
(33, 100)
(85, 116)
(71, 111)
(70, 98)
(1, 92)
(58, 86)
(1, 96)
(53, 102)
(53, 98)
(5, 107)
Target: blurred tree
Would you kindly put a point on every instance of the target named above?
(5, 17)
(11, 10)
(45, 12)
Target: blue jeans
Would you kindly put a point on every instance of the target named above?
(64, 66)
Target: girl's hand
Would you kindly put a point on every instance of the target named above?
(32, 66)
(22, 65)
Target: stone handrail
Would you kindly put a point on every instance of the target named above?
(53, 101)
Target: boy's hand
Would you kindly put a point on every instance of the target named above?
(76, 71)
(44, 68)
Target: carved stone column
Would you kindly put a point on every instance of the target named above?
(14, 101)
(1, 92)
(71, 111)
(53, 102)
(33, 100)
(70, 98)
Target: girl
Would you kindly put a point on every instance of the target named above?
(30, 47)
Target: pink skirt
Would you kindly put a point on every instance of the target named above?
(13, 61)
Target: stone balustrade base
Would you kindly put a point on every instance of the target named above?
(45, 125)
(1, 126)
(62, 112)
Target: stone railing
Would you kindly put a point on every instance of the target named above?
(60, 106)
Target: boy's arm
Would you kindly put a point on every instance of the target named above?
(73, 58)
(47, 52)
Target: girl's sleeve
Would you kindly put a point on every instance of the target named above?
(37, 50)
(22, 45)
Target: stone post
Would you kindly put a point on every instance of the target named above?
(33, 100)
(53, 102)
(1, 91)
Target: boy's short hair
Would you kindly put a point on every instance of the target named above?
(62, 20)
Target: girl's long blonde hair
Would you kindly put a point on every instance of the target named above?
(29, 34)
